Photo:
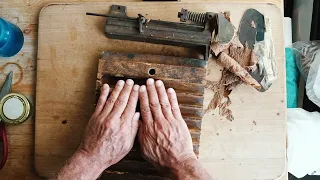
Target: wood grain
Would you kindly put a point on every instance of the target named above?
(183, 73)
(21, 138)
(61, 57)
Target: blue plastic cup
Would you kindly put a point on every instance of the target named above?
(11, 39)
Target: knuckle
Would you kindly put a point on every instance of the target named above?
(130, 107)
(111, 100)
(119, 101)
(155, 105)
(94, 116)
(165, 105)
(100, 103)
(143, 97)
(175, 109)
(145, 109)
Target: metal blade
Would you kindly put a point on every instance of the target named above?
(224, 31)
(6, 87)
(252, 28)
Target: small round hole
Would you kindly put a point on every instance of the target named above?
(119, 7)
(152, 72)
(210, 16)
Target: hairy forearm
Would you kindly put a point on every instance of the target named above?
(190, 169)
(80, 166)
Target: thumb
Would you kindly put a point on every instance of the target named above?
(135, 122)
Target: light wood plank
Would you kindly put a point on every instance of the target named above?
(25, 14)
(251, 151)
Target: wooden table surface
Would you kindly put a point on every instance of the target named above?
(24, 13)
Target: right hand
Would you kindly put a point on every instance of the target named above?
(163, 134)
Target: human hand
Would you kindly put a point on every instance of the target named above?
(163, 134)
(164, 137)
(111, 130)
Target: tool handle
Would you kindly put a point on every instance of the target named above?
(3, 138)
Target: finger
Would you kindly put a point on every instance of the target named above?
(140, 124)
(140, 132)
(154, 102)
(122, 100)
(144, 105)
(174, 103)
(164, 100)
(104, 92)
(135, 124)
(133, 129)
(132, 104)
(112, 98)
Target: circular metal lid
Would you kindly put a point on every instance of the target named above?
(14, 108)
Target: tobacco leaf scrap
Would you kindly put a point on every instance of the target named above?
(237, 60)
(233, 66)
(221, 98)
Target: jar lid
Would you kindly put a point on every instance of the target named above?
(14, 108)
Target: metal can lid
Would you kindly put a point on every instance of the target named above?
(14, 108)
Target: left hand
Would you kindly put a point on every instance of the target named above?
(110, 133)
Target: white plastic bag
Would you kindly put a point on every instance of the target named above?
(303, 151)
(308, 62)
(313, 80)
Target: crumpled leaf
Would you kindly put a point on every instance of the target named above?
(233, 66)
(237, 60)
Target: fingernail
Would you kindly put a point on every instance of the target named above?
(105, 86)
(120, 83)
(159, 83)
(138, 114)
(170, 90)
(136, 87)
(150, 81)
(129, 82)
(143, 88)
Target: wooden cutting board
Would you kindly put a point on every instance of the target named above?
(69, 46)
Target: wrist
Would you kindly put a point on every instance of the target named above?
(190, 169)
(92, 161)
(81, 165)
(183, 166)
